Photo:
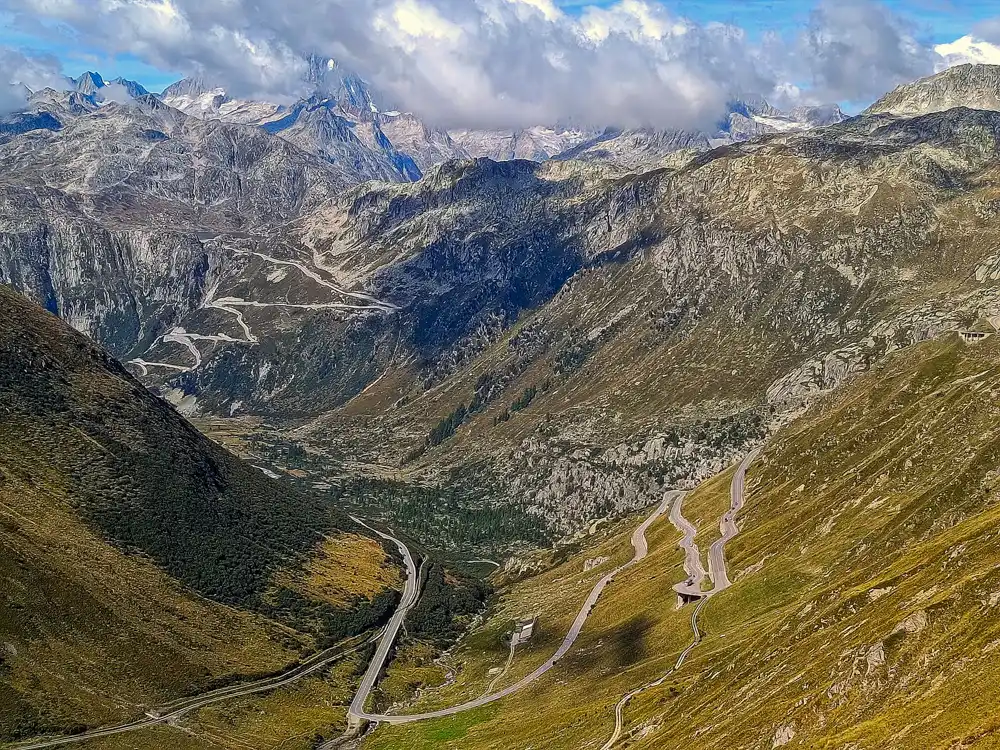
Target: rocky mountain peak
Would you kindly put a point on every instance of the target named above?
(974, 85)
(89, 83)
(194, 86)
(133, 88)
(818, 115)
(328, 79)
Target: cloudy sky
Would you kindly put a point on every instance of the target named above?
(507, 63)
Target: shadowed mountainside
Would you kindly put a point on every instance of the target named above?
(124, 532)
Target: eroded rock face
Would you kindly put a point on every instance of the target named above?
(120, 286)
(534, 144)
(570, 487)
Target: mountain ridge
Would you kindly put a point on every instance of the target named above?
(408, 145)
(973, 85)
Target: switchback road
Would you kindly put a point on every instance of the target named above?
(356, 712)
(692, 555)
(717, 552)
(620, 707)
(718, 573)
(641, 547)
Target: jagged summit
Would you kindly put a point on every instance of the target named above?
(321, 126)
(343, 119)
(89, 83)
(133, 88)
(193, 86)
(93, 85)
(818, 115)
(328, 79)
(974, 85)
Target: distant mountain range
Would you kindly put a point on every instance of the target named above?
(344, 121)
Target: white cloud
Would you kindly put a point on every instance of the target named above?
(20, 72)
(114, 92)
(12, 98)
(638, 20)
(418, 20)
(967, 49)
(506, 63)
(856, 50)
(547, 8)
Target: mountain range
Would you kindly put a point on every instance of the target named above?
(506, 359)
(341, 121)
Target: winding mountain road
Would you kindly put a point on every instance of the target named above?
(411, 591)
(231, 306)
(717, 552)
(314, 276)
(356, 714)
(641, 547)
(620, 707)
(718, 574)
(692, 555)
(179, 708)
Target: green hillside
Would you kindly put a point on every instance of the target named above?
(139, 560)
(864, 612)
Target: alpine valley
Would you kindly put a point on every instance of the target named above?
(280, 381)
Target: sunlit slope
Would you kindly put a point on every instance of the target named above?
(139, 561)
(865, 611)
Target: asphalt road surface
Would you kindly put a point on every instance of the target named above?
(641, 547)
(717, 552)
(177, 709)
(692, 555)
(410, 594)
(717, 568)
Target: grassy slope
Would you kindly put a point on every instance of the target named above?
(635, 374)
(104, 491)
(93, 636)
(291, 718)
(865, 612)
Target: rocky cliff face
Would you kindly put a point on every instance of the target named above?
(427, 146)
(105, 220)
(121, 286)
(534, 144)
(636, 150)
(361, 148)
(746, 281)
(146, 154)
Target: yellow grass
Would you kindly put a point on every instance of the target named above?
(344, 568)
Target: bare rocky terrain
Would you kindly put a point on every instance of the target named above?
(566, 335)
